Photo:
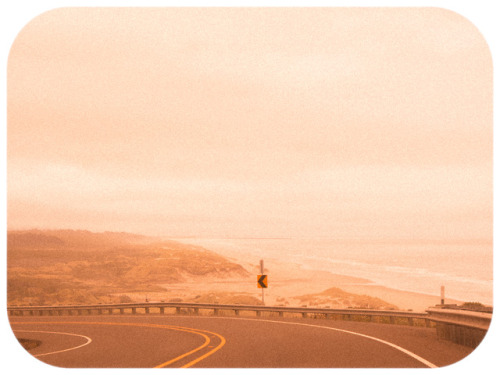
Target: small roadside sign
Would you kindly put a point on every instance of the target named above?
(262, 281)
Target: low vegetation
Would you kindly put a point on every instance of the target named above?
(338, 298)
(226, 299)
(65, 267)
(476, 306)
(79, 267)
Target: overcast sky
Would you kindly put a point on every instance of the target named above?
(343, 123)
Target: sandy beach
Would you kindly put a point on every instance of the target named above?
(287, 282)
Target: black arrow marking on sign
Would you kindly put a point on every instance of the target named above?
(262, 282)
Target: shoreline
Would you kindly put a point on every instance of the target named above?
(218, 270)
(288, 281)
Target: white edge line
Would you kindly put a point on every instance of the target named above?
(407, 352)
(89, 340)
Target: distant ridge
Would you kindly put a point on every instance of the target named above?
(32, 239)
(69, 238)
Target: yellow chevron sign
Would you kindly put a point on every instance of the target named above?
(262, 281)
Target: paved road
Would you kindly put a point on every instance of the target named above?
(130, 341)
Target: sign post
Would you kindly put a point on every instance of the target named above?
(262, 280)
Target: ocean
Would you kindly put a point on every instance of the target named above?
(465, 268)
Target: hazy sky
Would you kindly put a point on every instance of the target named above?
(371, 123)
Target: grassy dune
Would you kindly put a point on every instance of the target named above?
(81, 267)
(61, 267)
(338, 298)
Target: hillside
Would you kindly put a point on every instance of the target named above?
(71, 239)
(82, 267)
(46, 267)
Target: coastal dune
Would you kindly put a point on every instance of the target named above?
(65, 267)
(289, 285)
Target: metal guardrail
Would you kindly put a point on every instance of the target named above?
(471, 319)
(196, 307)
(460, 326)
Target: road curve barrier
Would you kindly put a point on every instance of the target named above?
(460, 326)
(393, 316)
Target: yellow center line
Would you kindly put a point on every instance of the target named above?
(176, 328)
(221, 344)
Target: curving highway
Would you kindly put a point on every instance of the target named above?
(139, 341)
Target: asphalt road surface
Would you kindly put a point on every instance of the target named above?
(131, 341)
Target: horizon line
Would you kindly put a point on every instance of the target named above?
(319, 237)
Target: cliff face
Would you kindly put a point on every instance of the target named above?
(46, 267)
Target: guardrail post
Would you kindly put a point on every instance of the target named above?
(462, 328)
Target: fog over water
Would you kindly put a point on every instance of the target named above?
(464, 268)
(346, 123)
